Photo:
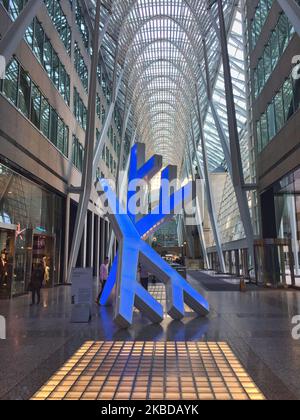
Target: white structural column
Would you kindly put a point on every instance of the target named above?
(237, 167)
(97, 246)
(12, 38)
(189, 238)
(91, 242)
(199, 216)
(122, 146)
(217, 120)
(105, 127)
(67, 238)
(292, 10)
(87, 173)
(210, 203)
(121, 182)
(84, 244)
(179, 230)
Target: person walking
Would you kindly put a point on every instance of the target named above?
(104, 272)
(36, 282)
(144, 276)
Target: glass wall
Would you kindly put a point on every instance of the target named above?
(82, 26)
(14, 7)
(77, 154)
(45, 53)
(279, 111)
(256, 25)
(80, 111)
(19, 89)
(278, 42)
(287, 205)
(30, 232)
(60, 21)
(81, 67)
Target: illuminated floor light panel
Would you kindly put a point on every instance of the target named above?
(158, 291)
(151, 371)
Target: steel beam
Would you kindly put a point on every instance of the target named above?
(292, 11)
(199, 218)
(237, 167)
(215, 115)
(210, 203)
(87, 172)
(105, 127)
(122, 191)
(15, 34)
(124, 130)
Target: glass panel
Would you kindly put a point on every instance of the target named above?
(35, 106)
(38, 42)
(11, 81)
(53, 126)
(29, 35)
(7, 246)
(48, 57)
(279, 111)
(264, 131)
(288, 99)
(271, 121)
(31, 227)
(60, 135)
(283, 33)
(24, 93)
(45, 117)
(55, 69)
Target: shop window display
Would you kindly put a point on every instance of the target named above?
(30, 233)
(287, 205)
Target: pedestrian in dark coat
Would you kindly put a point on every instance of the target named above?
(37, 279)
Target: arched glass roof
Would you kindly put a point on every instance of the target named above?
(159, 45)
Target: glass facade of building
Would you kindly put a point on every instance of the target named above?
(279, 111)
(30, 232)
(45, 53)
(286, 100)
(44, 116)
(278, 41)
(287, 206)
(257, 23)
(21, 91)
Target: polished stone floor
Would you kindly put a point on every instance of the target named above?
(257, 326)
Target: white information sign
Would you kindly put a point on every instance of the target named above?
(82, 294)
(82, 286)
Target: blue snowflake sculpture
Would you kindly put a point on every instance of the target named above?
(131, 234)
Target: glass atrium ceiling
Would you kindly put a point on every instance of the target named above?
(159, 45)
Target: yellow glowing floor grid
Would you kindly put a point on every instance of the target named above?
(152, 371)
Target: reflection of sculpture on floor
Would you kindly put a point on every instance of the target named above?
(134, 250)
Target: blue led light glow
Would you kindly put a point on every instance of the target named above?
(134, 250)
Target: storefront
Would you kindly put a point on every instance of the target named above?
(287, 208)
(30, 232)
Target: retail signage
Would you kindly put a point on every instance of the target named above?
(131, 232)
(82, 294)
